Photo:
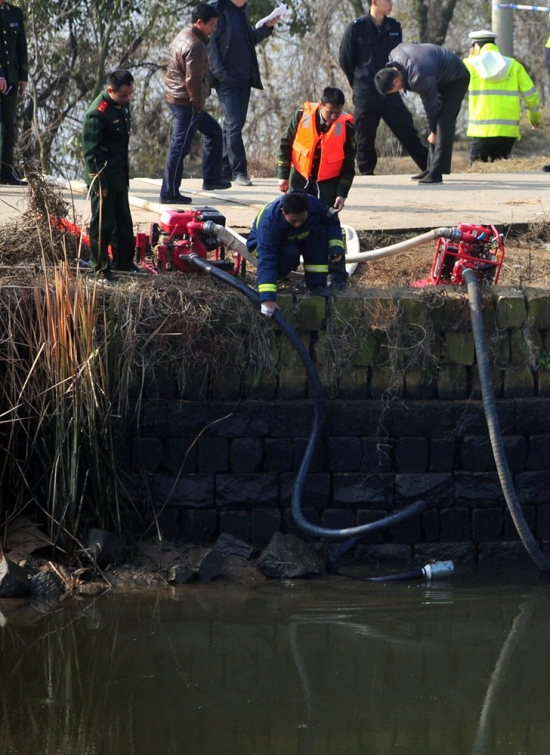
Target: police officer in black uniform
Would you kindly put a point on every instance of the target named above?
(14, 75)
(105, 138)
(365, 47)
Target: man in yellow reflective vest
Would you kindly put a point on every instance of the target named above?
(498, 84)
(317, 154)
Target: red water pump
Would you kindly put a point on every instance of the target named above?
(477, 247)
(180, 232)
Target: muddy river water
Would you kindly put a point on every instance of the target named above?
(321, 667)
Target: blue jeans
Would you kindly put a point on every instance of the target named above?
(186, 124)
(234, 102)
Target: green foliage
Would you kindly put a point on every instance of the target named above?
(72, 48)
(544, 361)
(301, 21)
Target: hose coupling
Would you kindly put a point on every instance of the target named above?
(438, 569)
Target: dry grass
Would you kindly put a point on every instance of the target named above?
(526, 261)
(513, 165)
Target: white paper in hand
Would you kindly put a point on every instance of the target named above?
(282, 10)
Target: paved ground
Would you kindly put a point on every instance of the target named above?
(390, 202)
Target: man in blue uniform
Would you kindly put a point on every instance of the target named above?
(293, 226)
(364, 50)
(14, 74)
(105, 138)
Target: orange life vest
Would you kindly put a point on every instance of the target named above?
(307, 139)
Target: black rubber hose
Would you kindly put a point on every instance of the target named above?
(491, 415)
(416, 574)
(317, 391)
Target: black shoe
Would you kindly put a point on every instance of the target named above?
(420, 176)
(432, 178)
(12, 180)
(216, 185)
(366, 172)
(546, 168)
(180, 199)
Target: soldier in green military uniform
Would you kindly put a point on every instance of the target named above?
(14, 75)
(105, 138)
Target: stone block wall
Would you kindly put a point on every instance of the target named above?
(403, 421)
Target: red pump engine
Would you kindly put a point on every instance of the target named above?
(477, 247)
(177, 234)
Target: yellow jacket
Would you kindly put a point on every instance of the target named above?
(497, 86)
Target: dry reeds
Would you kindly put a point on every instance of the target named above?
(75, 358)
(60, 395)
(76, 361)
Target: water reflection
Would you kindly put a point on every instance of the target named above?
(328, 666)
(498, 677)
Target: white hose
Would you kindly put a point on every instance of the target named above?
(238, 243)
(401, 246)
(233, 240)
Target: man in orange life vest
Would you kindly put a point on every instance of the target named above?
(317, 153)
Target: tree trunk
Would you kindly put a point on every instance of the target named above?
(433, 18)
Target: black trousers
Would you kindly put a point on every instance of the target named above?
(370, 109)
(111, 225)
(489, 148)
(450, 100)
(8, 105)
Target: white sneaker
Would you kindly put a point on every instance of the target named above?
(242, 180)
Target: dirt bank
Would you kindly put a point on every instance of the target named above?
(526, 260)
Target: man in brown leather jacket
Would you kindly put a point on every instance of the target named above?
(187, 89)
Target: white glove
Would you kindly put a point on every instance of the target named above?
(267, 310)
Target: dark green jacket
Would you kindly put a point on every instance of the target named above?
(14, 61)
(105, 138)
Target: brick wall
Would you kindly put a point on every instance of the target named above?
(403, 420)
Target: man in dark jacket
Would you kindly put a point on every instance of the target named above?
(105, 138)
(293, 226)
(364, 50)
(441, 79)
(14, 74)
(187, 89)
(235, 70)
